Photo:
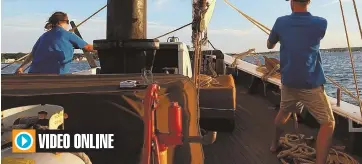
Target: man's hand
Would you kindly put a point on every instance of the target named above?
(269, 45)
(20, 70)
(89, 48)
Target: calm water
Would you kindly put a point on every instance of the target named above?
(336, 65)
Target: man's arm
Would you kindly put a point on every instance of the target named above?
(273, 36)
(324, 27)
(27, 60)
(79, 42)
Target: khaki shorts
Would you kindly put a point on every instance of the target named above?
(315, 100)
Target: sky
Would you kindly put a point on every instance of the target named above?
(22, 21)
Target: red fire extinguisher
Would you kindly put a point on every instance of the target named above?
(174, 137)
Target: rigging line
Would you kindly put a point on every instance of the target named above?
(85, 20)
(343, 88)
(248, 17)
(252, 20)
(174, 30)
(211, 45)
(351, 57)
(23, 57)
(356, 11)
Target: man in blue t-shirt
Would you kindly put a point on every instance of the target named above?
(54, 50)
(302, 74)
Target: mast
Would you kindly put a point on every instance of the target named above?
(127, 19)
(125, 49)
(199, 7)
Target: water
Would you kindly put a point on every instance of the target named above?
(336, 65)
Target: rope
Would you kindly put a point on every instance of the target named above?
(208, 81)
(298, 151)
(351, 57)
(85, 20)
(344, 89)
(209, 64)
(359, 23)
(23, 57)
(258, 24)
(199, 7)
(241, 55)
(211, 45)
(174, 30)
(252, 20)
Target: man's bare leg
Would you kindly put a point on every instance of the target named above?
(281, 118)
(324, 141)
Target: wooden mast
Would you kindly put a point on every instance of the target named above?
(199, 6)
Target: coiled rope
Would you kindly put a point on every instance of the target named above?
(296, 150)
(208, 81)
(267, 31)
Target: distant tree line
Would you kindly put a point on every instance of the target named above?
(342, 49)
(354, 49)
(12, 55)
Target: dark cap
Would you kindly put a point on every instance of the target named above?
(42, 112)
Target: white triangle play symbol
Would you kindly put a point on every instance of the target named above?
(23, 141)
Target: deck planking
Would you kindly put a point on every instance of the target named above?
(249, 143)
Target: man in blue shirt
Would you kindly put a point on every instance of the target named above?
(302, 74)
(54, 50)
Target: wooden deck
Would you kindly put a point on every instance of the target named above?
(250, 141)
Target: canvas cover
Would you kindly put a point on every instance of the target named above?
(95, 103)
(224, 94)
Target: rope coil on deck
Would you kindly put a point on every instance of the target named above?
(295, 149)
(208, 81)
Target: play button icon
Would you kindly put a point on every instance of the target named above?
(23, 141)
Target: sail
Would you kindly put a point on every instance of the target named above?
(206, 17)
